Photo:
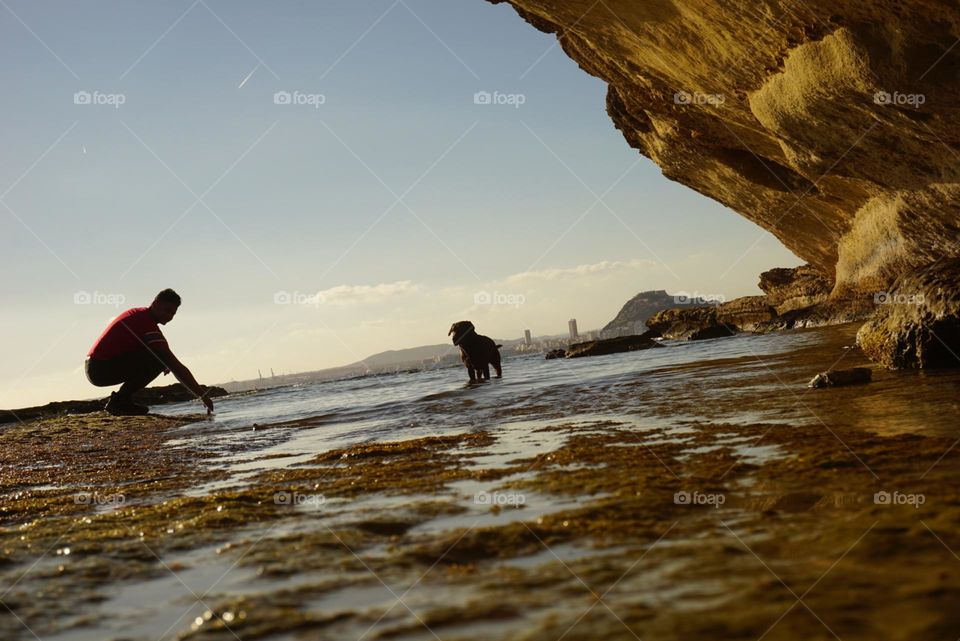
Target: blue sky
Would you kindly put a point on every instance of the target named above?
(397, 200)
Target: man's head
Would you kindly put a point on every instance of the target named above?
(164, 306)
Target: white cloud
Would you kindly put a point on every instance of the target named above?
(594, 269)
(364, 294)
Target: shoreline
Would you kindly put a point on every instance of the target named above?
(515, 530)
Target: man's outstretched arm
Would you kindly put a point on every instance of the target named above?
(184, 375)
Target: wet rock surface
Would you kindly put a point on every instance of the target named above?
(684, 322)
(160, 395)
(918, 322)
(841, 377)
(699, 505)
(612, 346)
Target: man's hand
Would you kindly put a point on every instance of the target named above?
(206, 399)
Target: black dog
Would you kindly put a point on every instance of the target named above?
(477, 352)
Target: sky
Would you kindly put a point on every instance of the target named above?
(321, 181)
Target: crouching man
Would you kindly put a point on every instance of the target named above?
(132, 352)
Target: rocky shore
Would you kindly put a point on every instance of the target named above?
(149, 396)
(611, 528)
(793, 299)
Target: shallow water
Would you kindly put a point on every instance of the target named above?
(744, 380)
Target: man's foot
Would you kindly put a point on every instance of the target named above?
(124, 406)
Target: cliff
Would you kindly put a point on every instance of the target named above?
(638, 309)
(831, 124)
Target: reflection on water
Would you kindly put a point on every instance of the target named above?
(744, 380)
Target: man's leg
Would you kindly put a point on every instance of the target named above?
(134, 371)
(138, 370)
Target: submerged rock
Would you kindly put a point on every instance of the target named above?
(841, 377)
(611, 346)
(918, 323)
(555, 353)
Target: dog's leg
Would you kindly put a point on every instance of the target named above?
(473, 376)
(486, 372)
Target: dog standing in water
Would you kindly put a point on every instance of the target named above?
(477, 352)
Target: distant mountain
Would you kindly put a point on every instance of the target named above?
(632, 317)
(395, 357)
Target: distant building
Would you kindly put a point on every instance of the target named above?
(572, 324)
(527, 339)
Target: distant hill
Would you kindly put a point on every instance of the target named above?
(632, 317)
(440, 355)
(395, 357)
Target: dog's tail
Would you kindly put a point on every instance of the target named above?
(498, 346)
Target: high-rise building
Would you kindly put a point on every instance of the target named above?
(572, 324)
(527, 339)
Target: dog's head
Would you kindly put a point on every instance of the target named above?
(460, 330)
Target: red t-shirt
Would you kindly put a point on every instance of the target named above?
(131, 331)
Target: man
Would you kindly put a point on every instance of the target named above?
(132, 351)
